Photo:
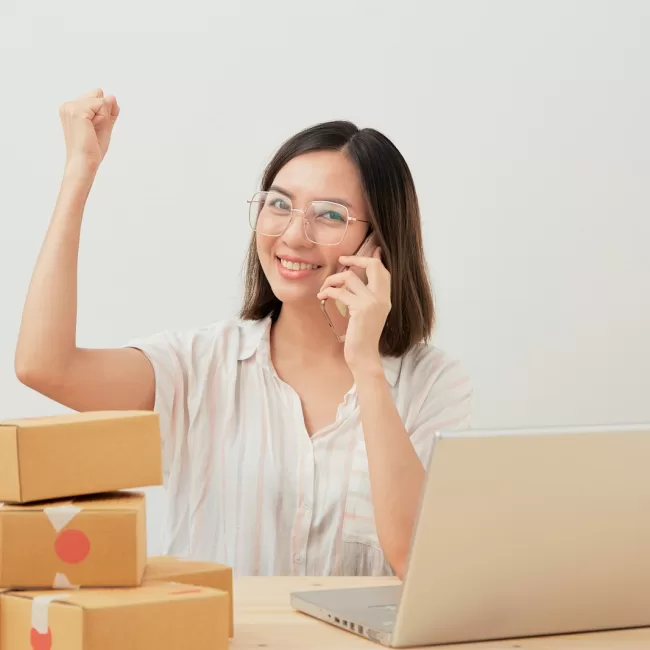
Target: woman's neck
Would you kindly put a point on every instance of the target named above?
(304, 332)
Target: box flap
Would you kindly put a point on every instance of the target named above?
(89, 599)
(72, 418)
(121, 500)
(113, 501)
(164, 566)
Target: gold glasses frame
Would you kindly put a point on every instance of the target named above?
(344, 210)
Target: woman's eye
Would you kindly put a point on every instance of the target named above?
(280, 204)
(335, 216)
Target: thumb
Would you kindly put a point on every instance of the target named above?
(114, 106)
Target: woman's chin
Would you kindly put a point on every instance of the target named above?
(292, 295)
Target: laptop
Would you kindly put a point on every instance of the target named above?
(520, 533)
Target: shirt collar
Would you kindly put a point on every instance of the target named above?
(252, 332)
(254, 340)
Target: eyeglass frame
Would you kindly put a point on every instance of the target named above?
(348, 218)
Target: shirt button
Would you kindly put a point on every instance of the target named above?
(298, 558)
(306, 506)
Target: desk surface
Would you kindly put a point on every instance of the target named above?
(264, 619)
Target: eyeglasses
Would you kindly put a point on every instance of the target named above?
(325, 222)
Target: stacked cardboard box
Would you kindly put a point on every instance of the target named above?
(74, 572)
(200, 574)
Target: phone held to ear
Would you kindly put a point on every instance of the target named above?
(366, 249)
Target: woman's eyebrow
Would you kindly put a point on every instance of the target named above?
(277, 188)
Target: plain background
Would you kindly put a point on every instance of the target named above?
(525, 125)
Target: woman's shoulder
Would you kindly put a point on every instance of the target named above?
(428, 366)
(434, 392)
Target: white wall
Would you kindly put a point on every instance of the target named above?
(525, 124)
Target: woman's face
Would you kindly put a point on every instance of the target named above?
(315, 176)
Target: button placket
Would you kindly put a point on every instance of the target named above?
(305, 507)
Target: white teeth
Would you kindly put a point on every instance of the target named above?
(298, 266)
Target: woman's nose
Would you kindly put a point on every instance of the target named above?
(294, 236)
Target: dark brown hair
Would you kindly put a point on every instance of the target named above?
(394, 215)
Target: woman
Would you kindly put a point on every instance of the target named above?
(286, 451)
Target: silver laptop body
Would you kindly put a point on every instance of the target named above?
(520, 533)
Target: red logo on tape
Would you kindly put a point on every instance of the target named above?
(40, 641)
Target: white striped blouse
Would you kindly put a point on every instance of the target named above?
(246, 485)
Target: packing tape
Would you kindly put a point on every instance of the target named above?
(61, 516)
(41, 612)
(61, 582)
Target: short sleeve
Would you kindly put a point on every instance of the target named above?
(191, 369)
(190, 366)
(441, 394)
(170, 356)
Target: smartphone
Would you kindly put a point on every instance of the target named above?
(366, 249)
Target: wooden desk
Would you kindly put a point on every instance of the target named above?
(264, 619)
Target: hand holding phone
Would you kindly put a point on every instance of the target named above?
(366, 249)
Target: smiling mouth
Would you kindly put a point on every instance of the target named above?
(298, 266)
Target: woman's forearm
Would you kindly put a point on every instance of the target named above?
(396, 472)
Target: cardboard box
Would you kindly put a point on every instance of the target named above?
(87, 542)
(1, 592)
(78, 454)
(158, 616)
(192, 572)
